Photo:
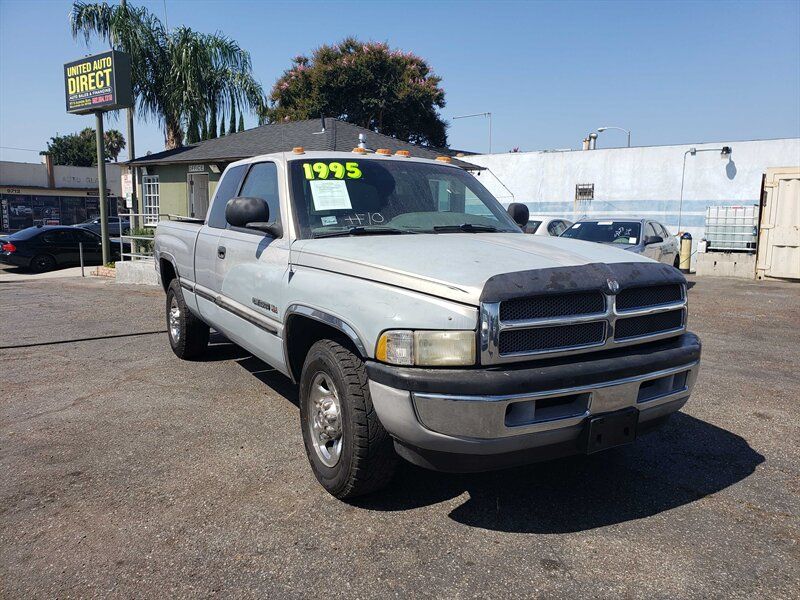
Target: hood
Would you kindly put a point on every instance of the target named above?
(454, 266)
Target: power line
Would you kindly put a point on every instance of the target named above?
(22, 149)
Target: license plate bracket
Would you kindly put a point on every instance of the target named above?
(610, 430)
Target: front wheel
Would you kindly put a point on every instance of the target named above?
(188, 335)
(350, 452)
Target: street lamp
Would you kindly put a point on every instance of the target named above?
(486, 114)
(724, 152)
(602, 129)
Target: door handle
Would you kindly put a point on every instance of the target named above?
(221, 252)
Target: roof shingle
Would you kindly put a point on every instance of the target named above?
(282, 137)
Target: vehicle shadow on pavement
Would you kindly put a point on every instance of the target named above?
(221, 349)
(685, 461)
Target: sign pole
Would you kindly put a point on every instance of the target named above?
(101, 184)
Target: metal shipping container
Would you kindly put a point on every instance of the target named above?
(732, 228)
(779, 246)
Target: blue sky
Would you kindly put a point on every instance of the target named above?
(549, 72)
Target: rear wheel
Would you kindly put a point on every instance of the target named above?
(350, 452)
(188, 335)
(43, 262)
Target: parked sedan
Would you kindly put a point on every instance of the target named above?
(546, 225)
(643, 236)
(113, 225)
(44, 248)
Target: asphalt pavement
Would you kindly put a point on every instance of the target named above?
(129, 473)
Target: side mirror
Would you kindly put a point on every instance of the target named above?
(520, 213)
(653, 239)
(251, 213)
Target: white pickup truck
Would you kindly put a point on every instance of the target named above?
(418, 319)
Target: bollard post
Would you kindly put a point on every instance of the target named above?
(686, 252)
(80, 252)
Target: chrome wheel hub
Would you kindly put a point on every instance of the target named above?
(325, 419)
(174, 319)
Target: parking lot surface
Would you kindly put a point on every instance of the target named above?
(128, 473)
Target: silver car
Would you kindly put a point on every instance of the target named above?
(642, 236)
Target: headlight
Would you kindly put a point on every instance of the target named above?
(427, 348)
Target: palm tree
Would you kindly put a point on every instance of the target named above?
(114, 142)
(180, 77)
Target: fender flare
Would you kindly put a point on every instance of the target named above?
(326, 318)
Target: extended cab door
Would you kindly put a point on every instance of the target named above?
(251, 273)
(205, 254)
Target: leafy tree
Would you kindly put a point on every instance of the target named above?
(369, 84)
(179, 75)
(212, 125)
(80, 149)
(232, 125)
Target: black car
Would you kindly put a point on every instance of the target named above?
(44, 248)
(114, 224)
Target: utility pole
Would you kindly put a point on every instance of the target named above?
(131, 156)
(101, 184)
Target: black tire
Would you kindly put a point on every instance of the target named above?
(367, 459)
(42, 262)
(188, 335)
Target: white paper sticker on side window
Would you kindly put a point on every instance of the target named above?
(330, 194)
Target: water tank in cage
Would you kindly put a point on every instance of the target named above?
(732, 228)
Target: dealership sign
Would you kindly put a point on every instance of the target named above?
(98, 83)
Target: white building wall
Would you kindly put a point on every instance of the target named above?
(637, 182)
(35, 175)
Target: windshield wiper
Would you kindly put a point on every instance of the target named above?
(363, 230)
(467, 227)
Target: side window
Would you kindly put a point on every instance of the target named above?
(58, 238)
(556, 227)
(225, 191)
(86, 237)
(664, 232)
(262, 182)
(649, 230)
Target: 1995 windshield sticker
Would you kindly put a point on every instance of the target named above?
(331, 170)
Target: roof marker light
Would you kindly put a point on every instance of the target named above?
(383, 151)
(405, 153)
(299, 150)
(444, 159)
(359, 150)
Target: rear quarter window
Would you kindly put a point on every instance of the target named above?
(25, 234)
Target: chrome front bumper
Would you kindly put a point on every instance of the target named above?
(461, 432)
(489, 417)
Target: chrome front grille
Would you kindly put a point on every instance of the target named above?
(570, 323)
(653, 295)
(634, 327)
(555, 305)
(538, 339)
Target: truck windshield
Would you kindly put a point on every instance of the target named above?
(378, 196)
(606, 232)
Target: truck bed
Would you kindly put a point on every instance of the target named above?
(175, 241)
